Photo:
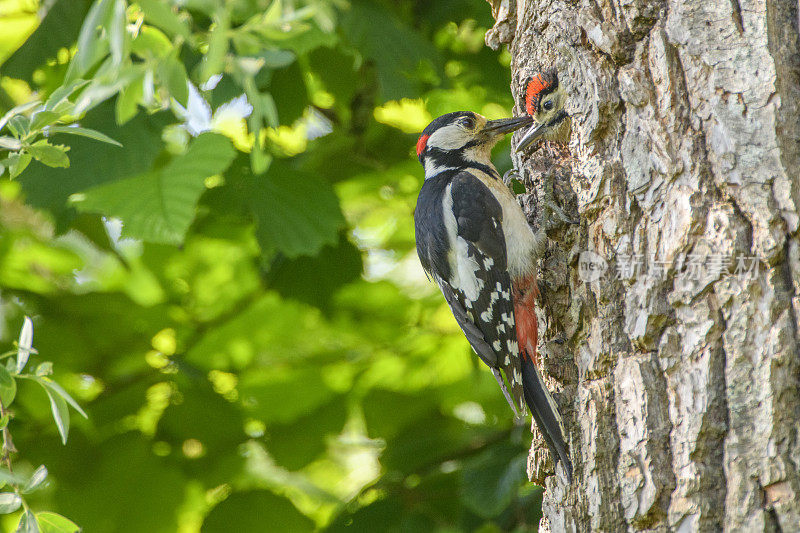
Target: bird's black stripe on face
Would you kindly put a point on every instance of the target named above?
(558, 118)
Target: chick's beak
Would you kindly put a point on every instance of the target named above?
(506, 125)
(535, 131)
(540, 128)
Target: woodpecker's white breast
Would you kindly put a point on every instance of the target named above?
(522, 245)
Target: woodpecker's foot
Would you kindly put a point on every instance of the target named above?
(510, 176)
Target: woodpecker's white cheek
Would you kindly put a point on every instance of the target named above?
(450, 137)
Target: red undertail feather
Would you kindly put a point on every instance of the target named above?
(525, 294)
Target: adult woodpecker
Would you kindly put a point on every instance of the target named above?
(474, 240)
(544, 101)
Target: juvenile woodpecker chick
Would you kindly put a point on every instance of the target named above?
(544, 101)
(474, 240)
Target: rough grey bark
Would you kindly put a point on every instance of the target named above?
(680, 387)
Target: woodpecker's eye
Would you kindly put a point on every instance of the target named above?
(548, 105)
(469, 123)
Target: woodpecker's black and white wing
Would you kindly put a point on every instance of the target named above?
(460, 242)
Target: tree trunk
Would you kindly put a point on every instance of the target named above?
(678, 370)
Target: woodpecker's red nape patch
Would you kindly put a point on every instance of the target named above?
(421, 143)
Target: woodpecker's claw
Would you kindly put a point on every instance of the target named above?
(510, 176)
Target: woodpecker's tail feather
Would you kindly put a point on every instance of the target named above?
(545, 411)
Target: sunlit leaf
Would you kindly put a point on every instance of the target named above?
(60, 411)
(173, 74)
(37, 478)
(91, 46)
(161, 15)
(214, 60)
(28, 523)
(25, 344)
(18, 163)
(55, 523)
(9, 502)
(51, 385)
(49, 154)
(84, 132)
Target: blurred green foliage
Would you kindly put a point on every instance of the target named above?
(233, 293)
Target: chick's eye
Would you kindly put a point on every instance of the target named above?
(548, 105)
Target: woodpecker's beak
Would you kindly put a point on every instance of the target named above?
(537, 130)
(506, 125)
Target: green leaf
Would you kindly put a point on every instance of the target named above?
(159, 206)
(369, 27)
(28, 523)
(8, 387)
(173, 75)
(214, 60)
(162, 15)
(37, 478)
(25, 344)
(17, 163)
(9, 143)
(286, 220)
(55, 523)
(93, 163)
(44, 369)
(19, 126)
(492, 480)
(9, 502)
(49, 384)
(264, 393)
(62, 94)
(151, 43)
(43, 118)
(238, 509)
(60, 413)
(91, 46)
(128, 100)
(117, 35)
(4, 421)
(99, 493)
(49, 154)
(84, 132)
(17, 110)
